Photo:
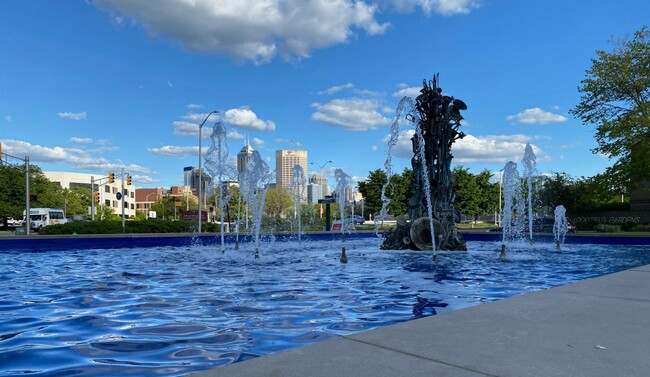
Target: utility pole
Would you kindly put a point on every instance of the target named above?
(28, 218)
(122, 195)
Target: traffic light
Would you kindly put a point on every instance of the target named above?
(128, 179)
(111, 177)
(96, 198)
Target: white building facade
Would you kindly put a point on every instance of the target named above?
(107, 191)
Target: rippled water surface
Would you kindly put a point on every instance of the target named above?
(173, 311)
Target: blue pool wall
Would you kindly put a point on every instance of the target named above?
(36, 243)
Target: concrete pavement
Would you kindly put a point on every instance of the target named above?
(595, 327)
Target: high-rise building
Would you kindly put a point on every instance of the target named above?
(319, 179)
(285, 161)
(242, 158)
(187, 175)
(314, 193)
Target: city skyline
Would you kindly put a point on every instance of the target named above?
(107, 85)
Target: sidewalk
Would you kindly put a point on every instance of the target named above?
(596, 327)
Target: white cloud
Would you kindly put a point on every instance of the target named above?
(351, 114)
(79, 158)
(234, 135)
(175, 151)
(250, 29)
(191, 126)
(441, 7)
(72, 116)
(294, 143)
(84, 140)
(334, 89)
(412, 92)
(245, 118)
(194, 106)
(536, 116)
(489, 149)
(144, 179)
(169, 84)
(257, 142)
(8, 118)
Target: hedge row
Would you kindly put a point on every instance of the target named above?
(115, 227)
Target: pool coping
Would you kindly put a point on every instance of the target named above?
(36, 242)
(594, 327)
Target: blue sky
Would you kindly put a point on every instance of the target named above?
(93, 86)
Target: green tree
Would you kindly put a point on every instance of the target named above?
(615, 98)
(12, 196)
(78, 201)
(370, 188)
(476, 194)
(399, 192)
(278, 202)
(468, 196)
(489, 192)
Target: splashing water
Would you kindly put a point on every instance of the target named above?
(529, 162)
(426, 183)
(254, 187)
(298, 183)
(216, 163)
(560, 225)
(343, 181)
(404, 103)
(513, 205)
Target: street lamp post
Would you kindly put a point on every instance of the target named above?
(146, 201)
(322, 175)
(200, 212)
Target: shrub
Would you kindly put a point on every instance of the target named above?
(115, 227)
(607, 228)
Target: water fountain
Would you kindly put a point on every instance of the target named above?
(254, 186)
(529, 162)
(560, 226)
(298, 184)
(432, 216)
(512, 220)
(343, 182)
(216, 163)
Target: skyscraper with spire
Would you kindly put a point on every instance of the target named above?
(243, 156)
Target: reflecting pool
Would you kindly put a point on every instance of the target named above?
(172, 311)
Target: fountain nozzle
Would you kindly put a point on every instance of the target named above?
(344, 257)
(503, 251)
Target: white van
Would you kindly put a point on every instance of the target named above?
(41, 217)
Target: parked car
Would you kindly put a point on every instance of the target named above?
(12, 222)
(356, 219)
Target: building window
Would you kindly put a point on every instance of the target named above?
(107, 202)
(107, 189)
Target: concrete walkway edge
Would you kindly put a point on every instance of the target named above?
(595, 327)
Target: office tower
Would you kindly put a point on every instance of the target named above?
(242, 158)
(187, 175)
(285, 160)
(319, 179)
